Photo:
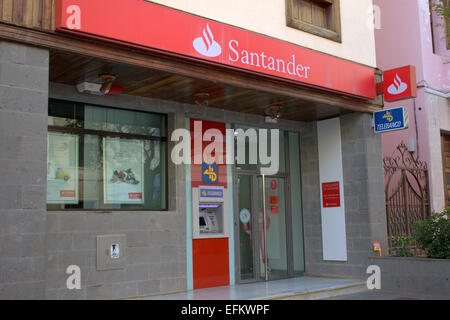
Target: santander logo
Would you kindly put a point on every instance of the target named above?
(206, 45)
(398, 86)
(249, 58)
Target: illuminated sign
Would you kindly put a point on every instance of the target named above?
(152, 27)
(400, 84)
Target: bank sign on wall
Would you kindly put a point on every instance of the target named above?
(391, 120)
(152, 27)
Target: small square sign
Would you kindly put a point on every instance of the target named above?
(400, 83)
(273, 184)
(274, 210)
(331, 196)
(273, 200)
(115, 251)
(210, 173)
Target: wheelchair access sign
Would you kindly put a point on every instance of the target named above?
(210, 173)
(391, 119)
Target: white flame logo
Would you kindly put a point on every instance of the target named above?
(398, 86)
(206, 45)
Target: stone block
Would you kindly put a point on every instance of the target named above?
(23, 124)
(173, 285)
(22, 172)
(22, 270)
(99, 292)
(74, 294)
(11, 197)
(24, 222)
(149, 287)
(19, 99)
(10, 246)
(34, 197)
(24, 76)
(23, 291)
(12, 52)
(72, 222)
(99, 222)
(33, 245)
(138, 272)
(125, 290)
(59, 242)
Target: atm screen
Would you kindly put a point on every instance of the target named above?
(202, 221)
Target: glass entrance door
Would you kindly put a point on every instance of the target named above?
(263, 237)
(273, 255)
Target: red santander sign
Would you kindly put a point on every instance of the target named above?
(400, 83)
(148, 26)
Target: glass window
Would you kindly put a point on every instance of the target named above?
(318, 17)
(105, 159)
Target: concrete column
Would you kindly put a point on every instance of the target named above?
(364, 185)
(23, 162)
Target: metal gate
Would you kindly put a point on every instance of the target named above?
(407, 193)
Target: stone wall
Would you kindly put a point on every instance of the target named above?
(420, 276)
(156, 240)
(363, 193)
(23, 164)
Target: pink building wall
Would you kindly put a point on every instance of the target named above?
(405, 38)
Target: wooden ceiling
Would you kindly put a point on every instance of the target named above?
(71, 69)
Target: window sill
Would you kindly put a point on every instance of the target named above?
(318, 31)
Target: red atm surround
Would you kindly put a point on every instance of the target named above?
(210, 257)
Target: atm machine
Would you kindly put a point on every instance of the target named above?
(210, 212)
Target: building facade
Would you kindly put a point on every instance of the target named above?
(105, 116)
(411, 33)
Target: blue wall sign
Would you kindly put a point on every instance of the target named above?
(211, 193)
(210, 173)
(391, 119)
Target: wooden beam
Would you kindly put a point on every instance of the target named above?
(176, 65)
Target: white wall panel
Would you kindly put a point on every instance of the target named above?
(334, 242)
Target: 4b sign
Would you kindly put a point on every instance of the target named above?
(210, 173)
(391, 119)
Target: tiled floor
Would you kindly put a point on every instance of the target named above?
(260, 290)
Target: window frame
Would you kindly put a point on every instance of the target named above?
(102, 133)
(333, 34)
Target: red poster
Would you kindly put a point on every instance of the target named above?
(331, 196)
(148, 26)
(273, 184)
(67, 193)
(273, 200)
(274, 210)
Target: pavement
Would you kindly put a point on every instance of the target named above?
(293, 288)
(386, 295)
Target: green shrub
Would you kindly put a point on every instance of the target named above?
(401, 244)
(433, 235)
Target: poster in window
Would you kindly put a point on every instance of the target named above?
(62, 168)
(123, 171)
